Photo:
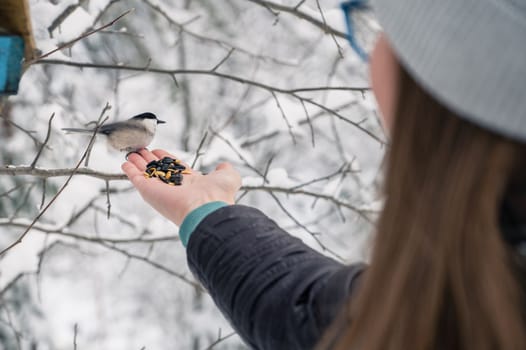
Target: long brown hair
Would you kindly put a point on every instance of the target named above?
(441, 276)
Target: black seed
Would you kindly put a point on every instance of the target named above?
(152, 163)
(167, 160)
(165, 167)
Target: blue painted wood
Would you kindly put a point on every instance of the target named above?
(11, 56)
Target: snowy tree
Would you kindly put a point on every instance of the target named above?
(269, 86)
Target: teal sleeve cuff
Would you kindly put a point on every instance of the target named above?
(193, 219)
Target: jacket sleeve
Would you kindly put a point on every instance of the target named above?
(276, 292)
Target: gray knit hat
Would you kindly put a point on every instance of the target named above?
(469, 54)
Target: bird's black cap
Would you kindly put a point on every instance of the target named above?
(148, 115)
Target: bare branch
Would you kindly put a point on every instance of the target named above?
(221, 43)
(54, 230)
(295, 11)
(238, 154)
(284, 117)
(198, 152)
(297, 222)
(84, 35)
(21, 237)
(173, 72)
(219, 339)
(180, 276)
(62, 17)
(326, 26)
(275, 189)
(108, 202)
(47, 173)
(25, 131)
(75, 332)
(200, 72)
(223, 60)
(106, 108)
(34, 162)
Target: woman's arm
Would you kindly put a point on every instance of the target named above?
(277, 292)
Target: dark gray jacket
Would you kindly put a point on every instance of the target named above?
(276, 292)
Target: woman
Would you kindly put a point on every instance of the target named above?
(448, 264)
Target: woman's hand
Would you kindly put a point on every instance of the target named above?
(175, 202)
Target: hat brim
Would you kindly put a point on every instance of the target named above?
(469, 54)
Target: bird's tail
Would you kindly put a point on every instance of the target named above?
(84, 131)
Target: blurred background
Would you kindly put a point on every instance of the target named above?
(270, 86)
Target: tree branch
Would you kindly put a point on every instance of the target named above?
(47, 173)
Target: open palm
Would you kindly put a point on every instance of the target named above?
(175, 202)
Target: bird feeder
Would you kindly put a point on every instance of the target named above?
(16, 43)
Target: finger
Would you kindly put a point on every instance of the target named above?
(138, 161)
(133, 173)
(224, 166)
(160, 153)
(147, 155)
(227, 171)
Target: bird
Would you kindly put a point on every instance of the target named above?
(129, 135)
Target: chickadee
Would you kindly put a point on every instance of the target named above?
(130, 135)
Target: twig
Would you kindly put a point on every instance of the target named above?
(106, 108)
(18, 334)
(24, 200)
(221, 43)
(340, 50)
(284, 117)
(219, 339)
(45, 141)
(84, 35)
(43, 199)
(225, 140)
(62, 17)
(25, 131)
(309, 122)
(299, 4)
(297, 222)
(12, 283)
(82, 237)
(223, 60)
(154, 264)
(8, 192)
(295, 11)
(344, 169)
(75, 331)
(21, 237)
(198, 151)
(103, 11)
(275, 189)
(108, 203)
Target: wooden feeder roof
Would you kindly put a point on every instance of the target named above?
(15, 19)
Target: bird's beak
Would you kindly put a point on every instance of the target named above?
(160, 121)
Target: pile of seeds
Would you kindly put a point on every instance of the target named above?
(168, 170)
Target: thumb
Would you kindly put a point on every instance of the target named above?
(224, 166)
(227, 172)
